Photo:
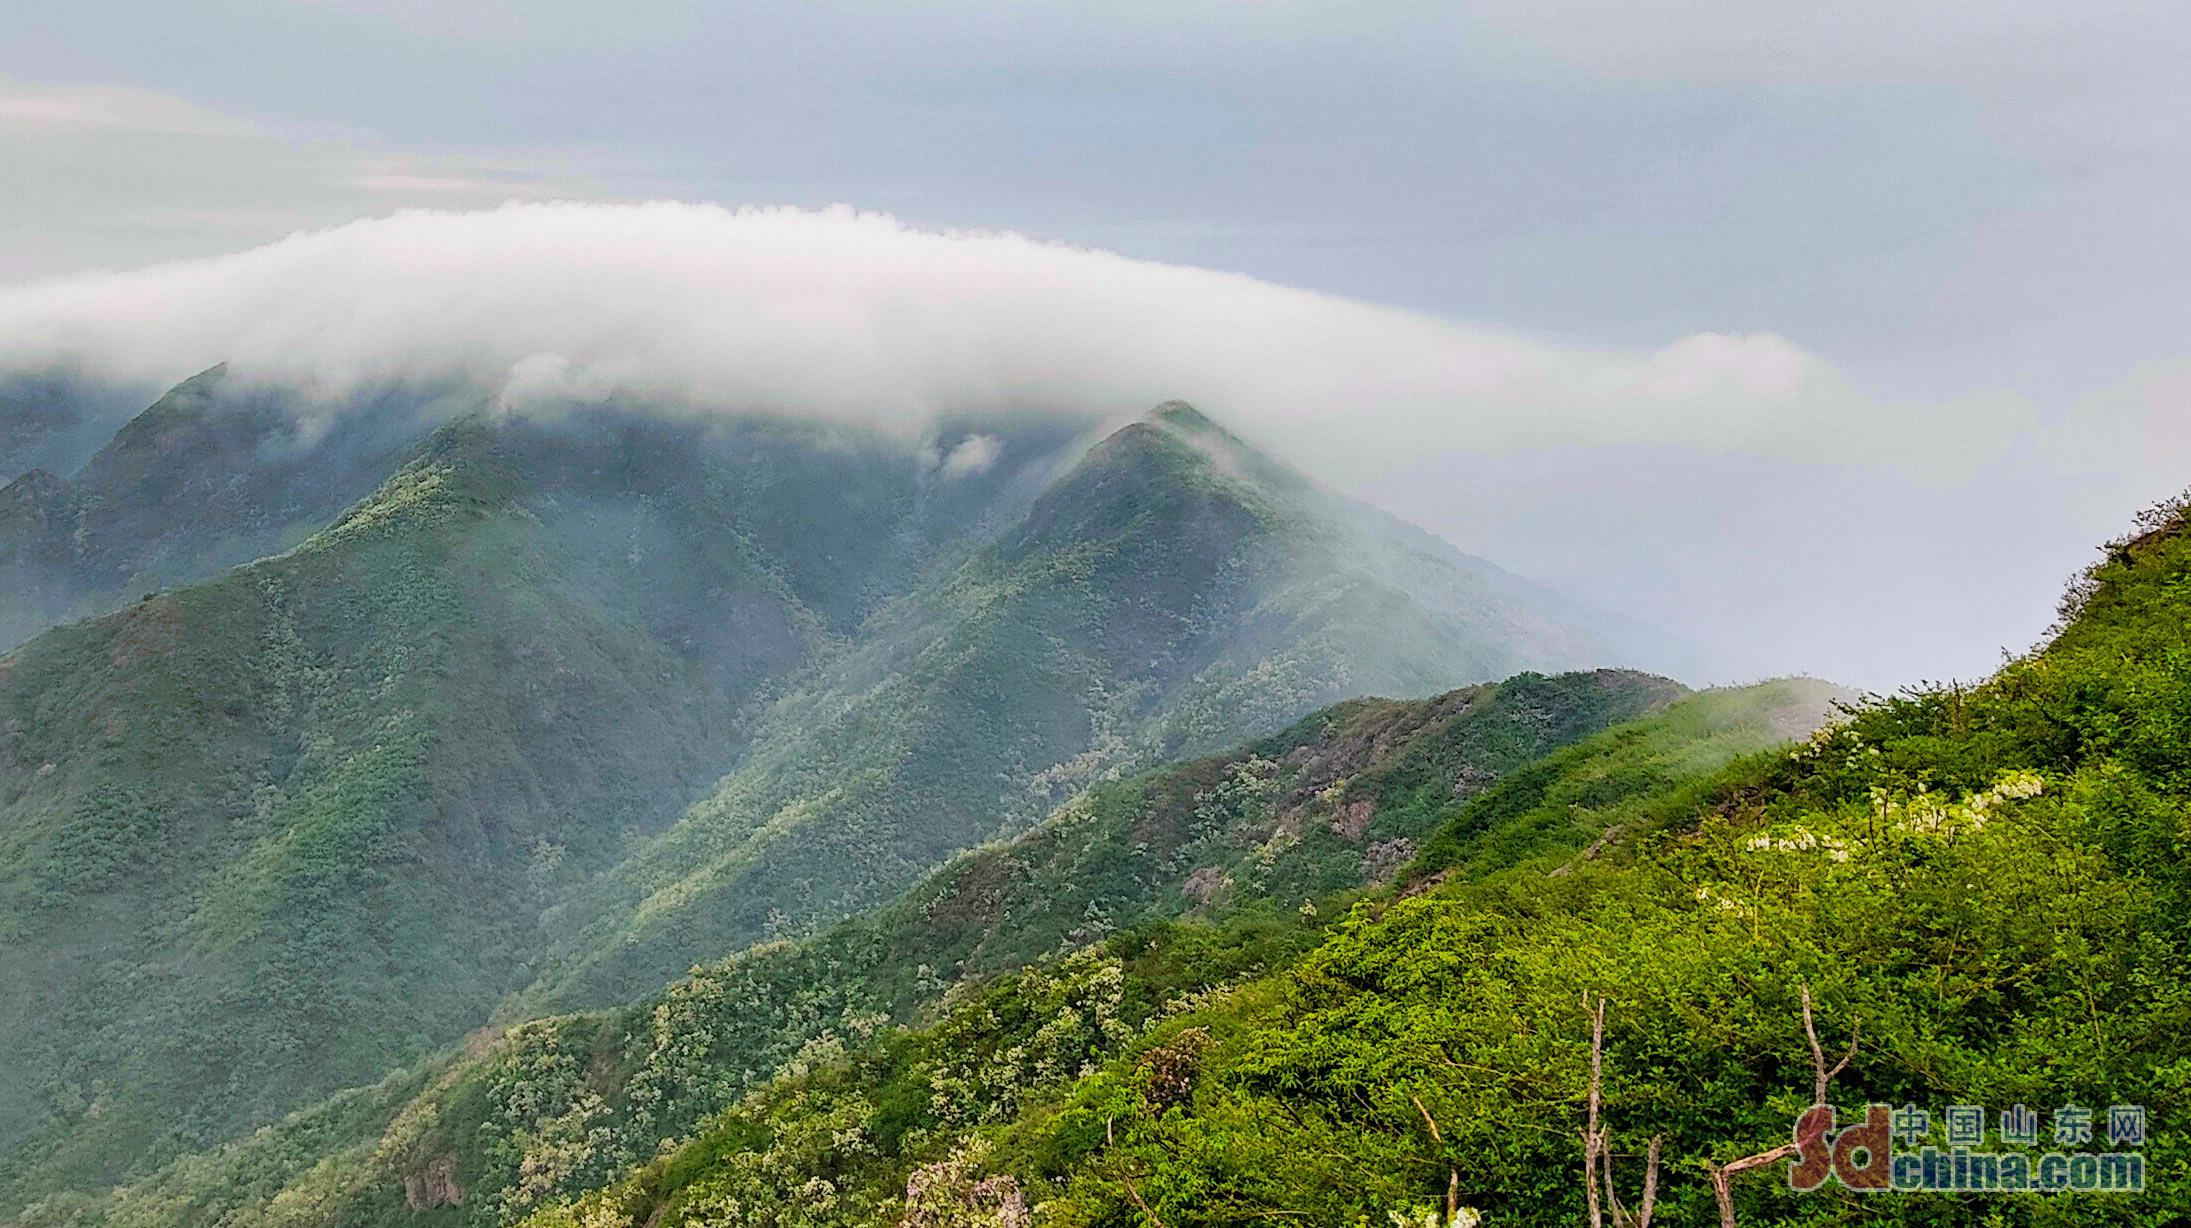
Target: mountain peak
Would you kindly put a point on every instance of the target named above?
(1184, 421)
(190, 399)
(1180, 415)
(37, 483)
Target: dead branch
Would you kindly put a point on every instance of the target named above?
(1452, 1172)
(1650, 1183)
(1723, 1175)
(1592, 1141)
(1824, 1076)
(1597, 1155)
(1723, 1178)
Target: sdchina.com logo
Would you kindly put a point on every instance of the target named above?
(1902, 1150)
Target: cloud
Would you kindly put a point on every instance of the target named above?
(857, 317)
(974, 454)
(1733, 486)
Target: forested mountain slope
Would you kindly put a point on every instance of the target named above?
(211, 475)
(56, 420)
(1977, 895)
(275, 833)
(288, 828)
(220, 471)
(271, 835)
(558, 1106)
(1175, 592)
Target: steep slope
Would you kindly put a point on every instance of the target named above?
(1174, 592)
(219, 472)
(212, 475)
(276, 833)
(55, 420)
(281, 831)
(287, 828)
(1979, 895)
(555, 1107)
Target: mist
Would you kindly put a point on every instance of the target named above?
(1735, 488)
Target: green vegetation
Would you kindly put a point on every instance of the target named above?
(276, 834)
(1983, 891)
(1172, 594)
(1092, 908)
(560, 710)
(208, 477)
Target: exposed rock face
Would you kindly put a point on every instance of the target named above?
(1353, 819)
(1385, 858)
(1202, 885)
(433, 1186)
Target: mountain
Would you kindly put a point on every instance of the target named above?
(219, 472)
(53, 422)
(273, 834)
(281, 831)
(1969, 896)
(560, 707)
(555, 1107)
(210, 476)
(1973, 895)
(1174, 592)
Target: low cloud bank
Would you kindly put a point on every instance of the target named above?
(857, 317)
(1733, 488)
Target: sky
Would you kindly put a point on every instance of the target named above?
(1832, 336)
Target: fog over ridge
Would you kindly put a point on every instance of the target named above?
(854, 316)
(1733, 487)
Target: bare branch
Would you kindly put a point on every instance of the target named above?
(1593, 1142)
(1612, 1194)
(1452, 1173)
(1641, 1217)
(1650, 1182)
(1435, 1137)
(1759, 1160)
(1822, 1075)
(1724, 1194)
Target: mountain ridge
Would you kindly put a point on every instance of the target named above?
(561, 708)
(1156, 600)
(662, 1068)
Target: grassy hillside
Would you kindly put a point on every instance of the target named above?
(1982, 891)
(1110, 886)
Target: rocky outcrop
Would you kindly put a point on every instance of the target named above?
(433, 1185)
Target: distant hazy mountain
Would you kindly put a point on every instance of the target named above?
(555, 709)
(55, 421)
(210, 476)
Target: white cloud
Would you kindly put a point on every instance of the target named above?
(1733, 486)
(974, 454)
(857, 317)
